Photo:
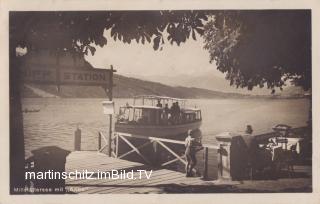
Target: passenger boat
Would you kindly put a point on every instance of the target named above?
(156, 116)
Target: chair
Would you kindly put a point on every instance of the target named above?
(285, 159)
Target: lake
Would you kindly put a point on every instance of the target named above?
(59, 117)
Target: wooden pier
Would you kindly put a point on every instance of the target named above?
(156, 165)
(161, 180)
(168, 181)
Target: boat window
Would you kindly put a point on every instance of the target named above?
(145, 116)
(188, 116)
(198, 115)
(125, 115)
(137, 114)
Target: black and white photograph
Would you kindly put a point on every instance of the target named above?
(160, 101)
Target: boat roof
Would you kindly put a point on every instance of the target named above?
(155, 107)
(142, 107)
(191, 109)
(159, 97)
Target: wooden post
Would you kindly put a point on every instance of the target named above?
(110, 135)
(205, 168)
(117, 146)
(220, 169)
(58, 80)
(99, 141)
(110, 116)
(156, 153)
(77, 140)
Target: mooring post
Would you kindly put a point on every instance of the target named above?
(205, 168)
(77, 139)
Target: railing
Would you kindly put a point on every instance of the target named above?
(155, 141)
(165, 152)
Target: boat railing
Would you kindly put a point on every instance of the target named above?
(154, 99)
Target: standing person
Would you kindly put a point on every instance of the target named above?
(166, 112)
(190, 153)
(249, 130)
(178, 113)
(173, 113)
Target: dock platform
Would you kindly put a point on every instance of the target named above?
(160, 179)
(165, 180)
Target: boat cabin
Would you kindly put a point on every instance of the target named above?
(158, 111)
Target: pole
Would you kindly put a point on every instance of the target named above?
(77, 139)
(110, 116)
(99, 141)
(110, 135)
(117, 146)
(205, 169)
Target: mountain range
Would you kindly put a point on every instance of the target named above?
(211, 82)
(127, 87)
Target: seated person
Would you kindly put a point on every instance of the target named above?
(159, 104)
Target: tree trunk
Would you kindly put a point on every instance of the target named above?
(16, 124)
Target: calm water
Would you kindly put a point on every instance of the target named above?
(56, 122)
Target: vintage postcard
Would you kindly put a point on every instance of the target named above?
(206, 99)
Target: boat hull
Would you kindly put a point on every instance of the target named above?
(157, 131)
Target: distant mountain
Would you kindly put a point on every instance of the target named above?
(127, 87)
(207, 85)
(211, 82)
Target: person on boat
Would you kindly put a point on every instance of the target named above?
(192, 146)
(159, 104)
(166, 112)
(178, 113)
(173, 111)
(249, 130)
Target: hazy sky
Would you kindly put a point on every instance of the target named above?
(142, 60)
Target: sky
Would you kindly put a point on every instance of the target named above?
(137, 59)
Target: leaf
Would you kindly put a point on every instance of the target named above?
(200, 31)
(148, 38)
(112, 32)
(193, 35)
(156, 42)
(92, 50)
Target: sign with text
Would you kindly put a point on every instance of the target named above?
(66, 76)
(108, 107)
